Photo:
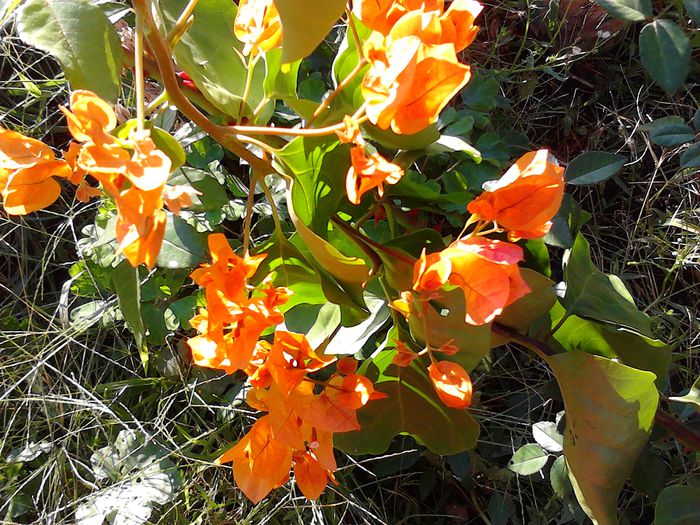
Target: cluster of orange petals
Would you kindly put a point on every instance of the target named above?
(522, 202)
(367, 170)
(132, 171)
(525, 199)
(302, 414)
(414, 70)
(258, 26)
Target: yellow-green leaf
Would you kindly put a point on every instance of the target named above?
(610, 411)
(305, 23)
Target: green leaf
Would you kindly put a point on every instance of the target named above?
(592, 167)
(345, 61)
(127, 285)
(665, 53)
(547, 436)
(678, 505)
(528, 459)
(610, 411)
(630, 10)
(696, 120)
(448, 326)
(591, 293)
(280, 79)
(692, 397)
(183, 246)
(416, 141)
(690, 158)
(559, 478)
(671, 135)
(607, 341)
(692, 7)
(211, 54)
(7, 7)
(213, 195)
(80, 36)
(305, 23)
(412, 406)
(287, 267)
(165, 142)
(480, 93)
(447, 143)
(526, 310)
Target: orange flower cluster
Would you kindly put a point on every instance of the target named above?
(414, 70)
(258, 26)
(525, 199)
(132, 171)
(302, 414)
(368, 170)
(522, 202)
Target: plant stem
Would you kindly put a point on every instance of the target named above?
(221, 134)
(138, 73)
(248, 220)
(296, 132)
(330, 98)
(183, 23)
(273, 207)
(252, 62)
(679, 431)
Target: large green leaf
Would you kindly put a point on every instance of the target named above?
(607, 341)
(412, 406)
(610, 411)
(127, 285)
(80, 36)
(281, 79)
(593, 294)
(672, 135)
(630, 10)
(305, 23)
(665, 53)
(183, 246)
(592, 167)
(678, 505)
(211, 55)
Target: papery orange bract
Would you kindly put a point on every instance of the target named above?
(178, 197)
(27, 171)
(291, 359)
(525, 199)
(486, 270)
(404, 356)
(90, 118)
(414, 69)
(382, 15)
(309, 475)
(452, 383)
(258, 25)
(369, 172)
(260, 463)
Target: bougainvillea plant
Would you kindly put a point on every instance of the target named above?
(409, 258)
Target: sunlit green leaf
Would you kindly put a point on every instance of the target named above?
(305, 23)
(211, 54)
(528, 459)
(81, 37)
(412, 406)
(593, 294)
(126, 283)
(610, 410)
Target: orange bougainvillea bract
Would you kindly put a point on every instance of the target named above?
(525, 199)
(27, 171)
(486, 270)
(452, 383)
(414, 70)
